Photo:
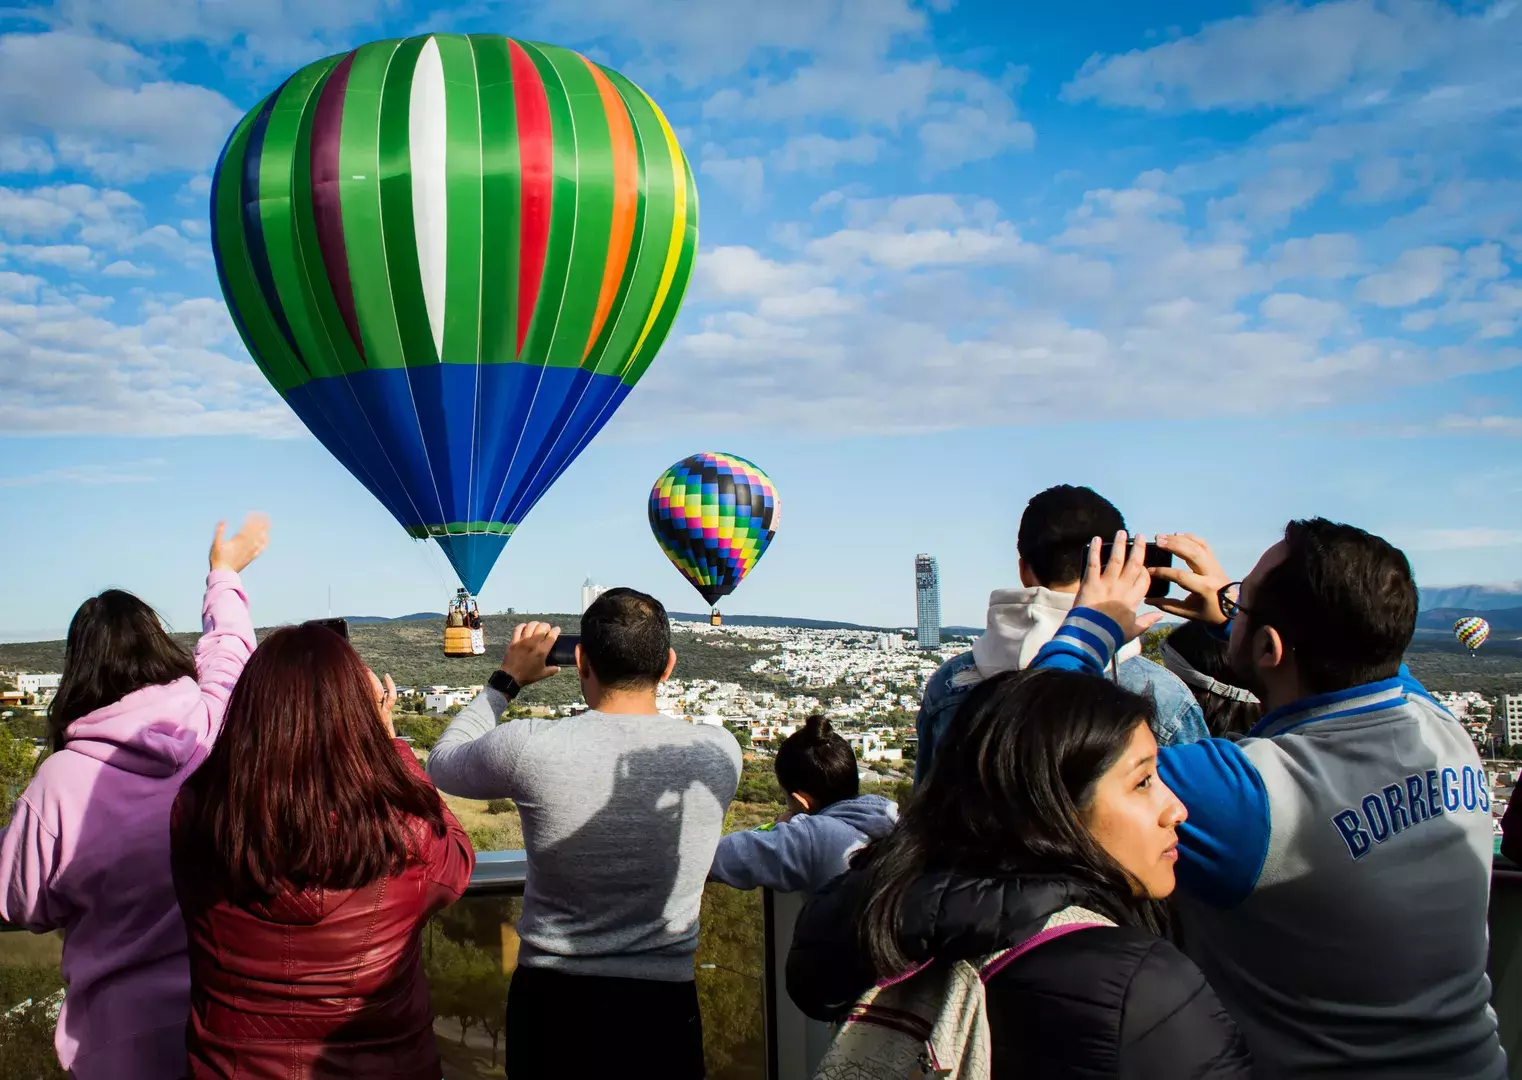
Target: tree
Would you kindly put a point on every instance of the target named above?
(741, 734)
(18, 762)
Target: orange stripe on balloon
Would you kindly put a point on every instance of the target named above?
(625, 199)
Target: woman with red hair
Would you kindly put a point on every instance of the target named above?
(309, 851)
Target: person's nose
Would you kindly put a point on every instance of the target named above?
(1175, 813)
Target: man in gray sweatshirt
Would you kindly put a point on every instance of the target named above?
(622, 808)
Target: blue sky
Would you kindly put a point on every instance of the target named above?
(1228, 264)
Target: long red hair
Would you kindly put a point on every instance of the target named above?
(303, 789)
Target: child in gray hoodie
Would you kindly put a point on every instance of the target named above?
(827, 819)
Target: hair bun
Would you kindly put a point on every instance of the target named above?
(818, 726)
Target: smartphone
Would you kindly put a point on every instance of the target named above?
(563, 652)
(1156, 556)
(338, 626)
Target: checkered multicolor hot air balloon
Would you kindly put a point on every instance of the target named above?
(714, 516)
(453, 256)
(1472, 632)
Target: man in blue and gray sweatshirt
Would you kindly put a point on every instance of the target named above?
(1334, 870)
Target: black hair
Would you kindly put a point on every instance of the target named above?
(1007, 794)
(1343, 599)
(1207, 652)
(1056, 527)
(116, 645)
(818, 762)
(626, 638)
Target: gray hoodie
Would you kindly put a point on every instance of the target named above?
(805, 853)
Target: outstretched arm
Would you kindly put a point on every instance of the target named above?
(227, 637)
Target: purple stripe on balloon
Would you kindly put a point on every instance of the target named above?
(327, 137)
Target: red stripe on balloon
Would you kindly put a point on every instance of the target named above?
(536, 170)
(327, 208)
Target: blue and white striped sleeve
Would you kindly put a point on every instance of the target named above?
(1086, 641)
(1223, 843)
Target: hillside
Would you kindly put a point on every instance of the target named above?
(411, 651)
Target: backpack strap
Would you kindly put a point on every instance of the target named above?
(1059, 925)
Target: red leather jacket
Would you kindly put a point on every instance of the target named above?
(324, 984)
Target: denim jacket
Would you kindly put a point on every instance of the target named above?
(1179, 719)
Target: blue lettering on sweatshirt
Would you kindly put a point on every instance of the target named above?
(1405, 805)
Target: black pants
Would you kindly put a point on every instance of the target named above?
(566, 1027)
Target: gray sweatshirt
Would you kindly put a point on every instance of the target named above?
(621, 815)
(807, 852)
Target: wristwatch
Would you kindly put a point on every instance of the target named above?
(504, 684)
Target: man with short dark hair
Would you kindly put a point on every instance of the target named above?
(1055, 530)
(622, 809)
(1334, 869)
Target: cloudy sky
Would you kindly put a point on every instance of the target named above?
(1227, 264)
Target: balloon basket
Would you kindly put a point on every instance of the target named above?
(463, 632)
(714, 618)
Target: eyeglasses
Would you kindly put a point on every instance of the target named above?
(1226, 596)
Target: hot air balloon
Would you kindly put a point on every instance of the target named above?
(1472, 632)
(714, 516)
(453, 256)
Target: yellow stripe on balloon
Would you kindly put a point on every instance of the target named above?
(678, 228)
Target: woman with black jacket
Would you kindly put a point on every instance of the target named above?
(1044, 795)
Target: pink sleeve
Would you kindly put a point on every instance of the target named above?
(28, 856)
(227, 641)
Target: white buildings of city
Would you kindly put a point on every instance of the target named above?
(38, 686)
(589, 593)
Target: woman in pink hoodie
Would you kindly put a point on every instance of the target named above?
(88, 848)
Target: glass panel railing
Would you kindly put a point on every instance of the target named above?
(31, 989)
(732, 983)
(469, 952)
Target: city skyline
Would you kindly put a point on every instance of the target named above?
(1226, 264)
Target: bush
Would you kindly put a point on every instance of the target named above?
(423, 730)
(500, 806)
(758, 784)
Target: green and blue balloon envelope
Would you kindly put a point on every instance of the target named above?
(453, 256)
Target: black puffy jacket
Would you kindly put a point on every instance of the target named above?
(1101, 1002)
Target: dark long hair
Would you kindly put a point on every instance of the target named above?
(116, 645)
(1205, 651)
(1006, 795)
(303, 788)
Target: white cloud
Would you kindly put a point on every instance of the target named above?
(1415, 276)
(104, 107)
(75, 257)
(820, 154)
(744, 177)
(124, 269)
(1466, 538)
(24, 154)
(90, 475)
(1307, 315)
(22, 285)
(1324, 255)
(66, 368)
(1273, 195)
(1286, 55)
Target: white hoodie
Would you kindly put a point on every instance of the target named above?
(1020, 621)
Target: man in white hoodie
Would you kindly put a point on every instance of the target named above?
(1053, 543)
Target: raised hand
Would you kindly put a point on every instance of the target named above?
(1202, 581)
(236, 552)
(1119, 586)
(385, 700)
(527, 651)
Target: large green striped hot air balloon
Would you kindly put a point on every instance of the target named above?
(453, 256)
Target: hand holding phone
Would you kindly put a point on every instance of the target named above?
(531, 654)
(1155, 557)
(563, 652)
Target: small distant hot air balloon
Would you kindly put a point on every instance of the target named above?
(453, 256)
(714, 516)
(1472, 632)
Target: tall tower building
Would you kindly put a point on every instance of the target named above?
(589, 593)
(927, 601)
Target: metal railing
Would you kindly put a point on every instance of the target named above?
(790, 1045)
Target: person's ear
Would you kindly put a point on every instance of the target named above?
(805, 802)
(1027, 578)
(583, 669)
(670, 664)
(1269, 650)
